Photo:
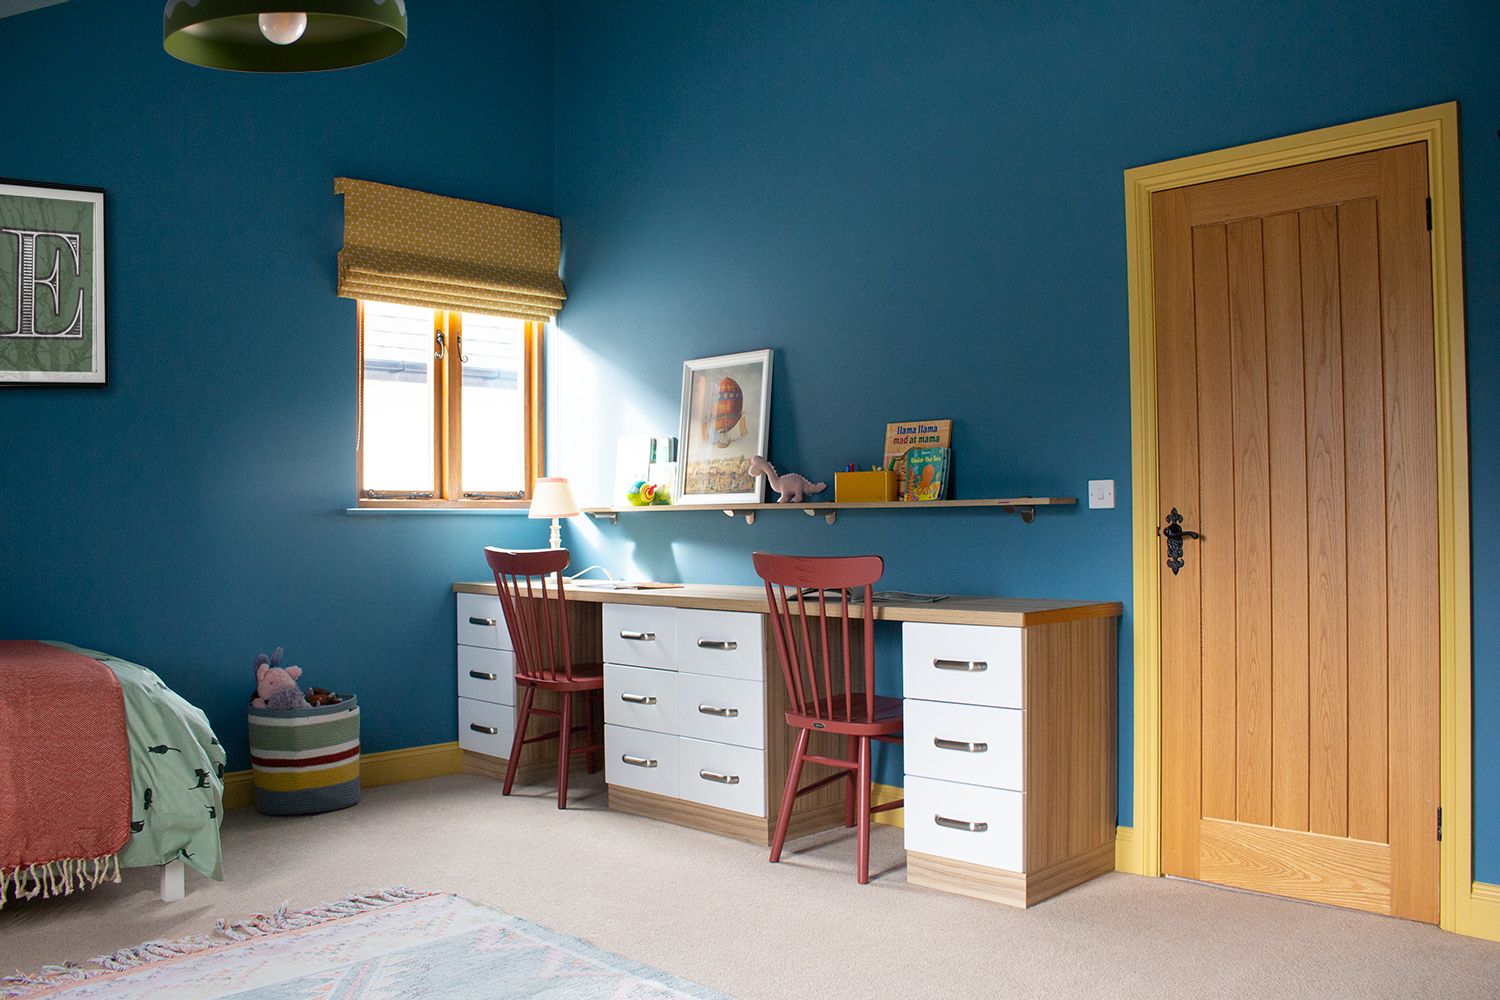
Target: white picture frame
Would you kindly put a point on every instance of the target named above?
(719, 432)
(52, 325)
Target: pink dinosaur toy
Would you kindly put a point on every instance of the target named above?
(793, 488)
(276, 686)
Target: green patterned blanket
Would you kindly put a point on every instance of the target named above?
(176, 772)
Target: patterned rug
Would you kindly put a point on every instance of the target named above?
(385, 945)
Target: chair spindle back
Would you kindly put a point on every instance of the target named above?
(535, 614)
(811, 665)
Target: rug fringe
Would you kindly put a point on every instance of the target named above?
(57, 878)
(224, 933)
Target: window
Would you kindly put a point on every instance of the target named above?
(449, 408)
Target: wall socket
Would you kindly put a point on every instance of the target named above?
(1101, 494)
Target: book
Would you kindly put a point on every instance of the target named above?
(906, 434)
(926, 474)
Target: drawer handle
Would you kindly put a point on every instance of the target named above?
(639, 636)
(482, 621)
(966, 747)
(635, 761)
(723, 713)
(724, 644)
(639, 699)
(486, 730)
(480, 675)
(960, 824)
(969, 666)
(723, 779)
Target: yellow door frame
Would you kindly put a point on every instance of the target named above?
(1465, 907)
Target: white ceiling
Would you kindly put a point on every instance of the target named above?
(11, 7)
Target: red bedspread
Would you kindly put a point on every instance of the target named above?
(64, 767)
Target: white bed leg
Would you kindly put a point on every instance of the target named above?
(173, 881)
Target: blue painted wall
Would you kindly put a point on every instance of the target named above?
(919, 206)
(191, 513)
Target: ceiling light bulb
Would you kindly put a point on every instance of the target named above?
(283, 29)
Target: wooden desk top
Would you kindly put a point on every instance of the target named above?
(955, 609)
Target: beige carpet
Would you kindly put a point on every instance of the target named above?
(714, 911)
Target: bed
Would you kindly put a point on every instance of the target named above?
(75, 806)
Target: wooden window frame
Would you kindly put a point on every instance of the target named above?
(447, 424)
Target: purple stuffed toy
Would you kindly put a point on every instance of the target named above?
(276, 686)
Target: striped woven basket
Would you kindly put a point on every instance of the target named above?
(305, 761)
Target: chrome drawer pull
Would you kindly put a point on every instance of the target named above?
(960, 824)
(723, 713)
(486, 730)
(966, 747)
(970, 666)
(639, 636)
(482, 621)
(634, 761)
(480, 675)
(724, 644)
(639, 699)
(723, 779)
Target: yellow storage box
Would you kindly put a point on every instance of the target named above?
(865, 487)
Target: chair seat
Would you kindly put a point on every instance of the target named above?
(886, 720)
(586, 677)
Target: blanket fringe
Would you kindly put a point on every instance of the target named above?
(57, 878)
(224, 933)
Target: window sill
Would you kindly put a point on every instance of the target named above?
(511, 511)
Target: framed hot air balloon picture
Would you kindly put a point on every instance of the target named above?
(726, 421)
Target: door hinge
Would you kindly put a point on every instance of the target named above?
(1429, 215)
(1440, 823)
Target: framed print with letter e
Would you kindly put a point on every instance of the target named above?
(726, 421)
(51, 284)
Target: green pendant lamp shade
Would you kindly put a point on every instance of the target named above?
(232, 34)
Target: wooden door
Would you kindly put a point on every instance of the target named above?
(1297, 419)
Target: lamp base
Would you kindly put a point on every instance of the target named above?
(556, 537)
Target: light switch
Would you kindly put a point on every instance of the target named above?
(1101, 494)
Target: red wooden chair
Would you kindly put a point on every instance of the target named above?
(537, 617)
(826, 691)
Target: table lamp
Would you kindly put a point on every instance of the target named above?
(553, 498)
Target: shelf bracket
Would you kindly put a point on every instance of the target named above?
(828, 515)
(749, 514)
(606, 515)
(1026, 510)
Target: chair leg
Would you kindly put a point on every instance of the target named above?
(789, 795)
(864, 810)
(589, 697)
(850, 792)
(515, 744)
(564, 742)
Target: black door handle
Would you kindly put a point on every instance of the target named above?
(1174, 534)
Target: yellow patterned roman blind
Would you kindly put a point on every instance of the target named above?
(419, 249)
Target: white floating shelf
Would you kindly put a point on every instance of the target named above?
(1025, 506)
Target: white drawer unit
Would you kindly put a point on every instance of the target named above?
(646, 761)
(640, 697)
(982, 826)
(640, 636)
(487, 674)
(480, 622)
(485, 727)
(1009, 751)
(722, 709)
(975, 744)
(969, 664)
(727, 777)
(721, 643)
